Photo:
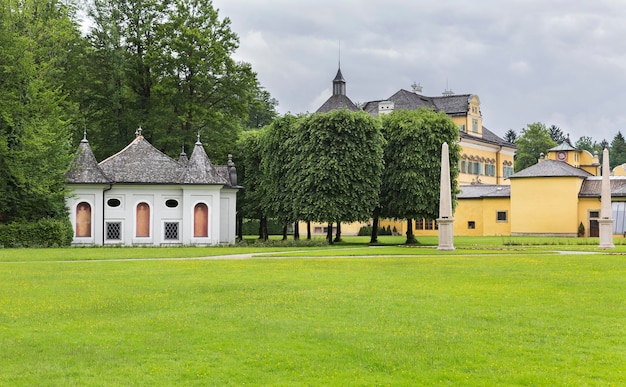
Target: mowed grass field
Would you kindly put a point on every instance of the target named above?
(346, 315)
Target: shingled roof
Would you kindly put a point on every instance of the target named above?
(551, 168)
(200, 170)
(592, 187)
(142, 163)
(488, 137)
(479, 191)
(335, 102)
(85, 168)
(453, 105)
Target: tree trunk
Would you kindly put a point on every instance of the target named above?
(374, 238)
(285, 232)
(338, 232)
(329, 234)
(240, 228)
(308, 230)
(410, 238)
(296, 231)
(263, 235)
(261, 228)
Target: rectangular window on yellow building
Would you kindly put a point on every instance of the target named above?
(501, 216)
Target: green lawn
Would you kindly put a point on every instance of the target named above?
(500, 317)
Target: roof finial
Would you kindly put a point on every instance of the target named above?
(138, 131)
(84, 135)
(182, 152)
(198, 142)
(417, 87)
(339, 63)
(447, 92)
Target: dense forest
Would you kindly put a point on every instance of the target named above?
(165, 66)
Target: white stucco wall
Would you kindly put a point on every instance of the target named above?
(221, 221)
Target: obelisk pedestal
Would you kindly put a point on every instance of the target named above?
(606, 222)
(445, 220)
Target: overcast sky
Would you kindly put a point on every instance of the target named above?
(551, 61)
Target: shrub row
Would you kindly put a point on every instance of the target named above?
(367, 230)
(42, 233)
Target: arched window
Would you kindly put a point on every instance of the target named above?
(83, 219)
(143, 220)
(201, 220)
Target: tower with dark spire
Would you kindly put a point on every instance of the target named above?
(339, 84)
(339, 99)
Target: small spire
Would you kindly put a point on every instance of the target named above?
(138, 131)
(230, 163)
(84, 136)
(447, 92)
(198, 142)
(182, 152)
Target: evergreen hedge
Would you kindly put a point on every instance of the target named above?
(42, 233)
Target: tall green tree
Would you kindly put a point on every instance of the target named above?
(556, 134)
(167, 66)
(109, 100)
(336, 173)
(587, 143)
(534, 140)
(249, 156)
(278, 149)
(411, 178)
(206, 89)
(262, 110)
(617, 154)
(510, 136)
(35, 114)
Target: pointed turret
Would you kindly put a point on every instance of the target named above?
(85, 168)
(200, 170)
(339, 84)
(339, 99)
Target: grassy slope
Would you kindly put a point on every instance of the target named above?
(528, 319)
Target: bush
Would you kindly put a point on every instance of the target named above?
(367, 231)
(251, 227)
(42, 233)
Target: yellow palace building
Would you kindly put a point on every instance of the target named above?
(486, 159)
(558, 196)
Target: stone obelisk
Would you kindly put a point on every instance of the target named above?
(445, 219)
(606, 222)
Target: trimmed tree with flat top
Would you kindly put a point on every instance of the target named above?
(336, 174)
(411, 179)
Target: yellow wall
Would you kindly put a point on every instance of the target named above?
(317, 229)
(620, 170)
(584, 206)
(545, 205)
(578, 158)
(483, 213)
(472, 114)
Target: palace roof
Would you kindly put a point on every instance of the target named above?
(479, 191)
(551, 168)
